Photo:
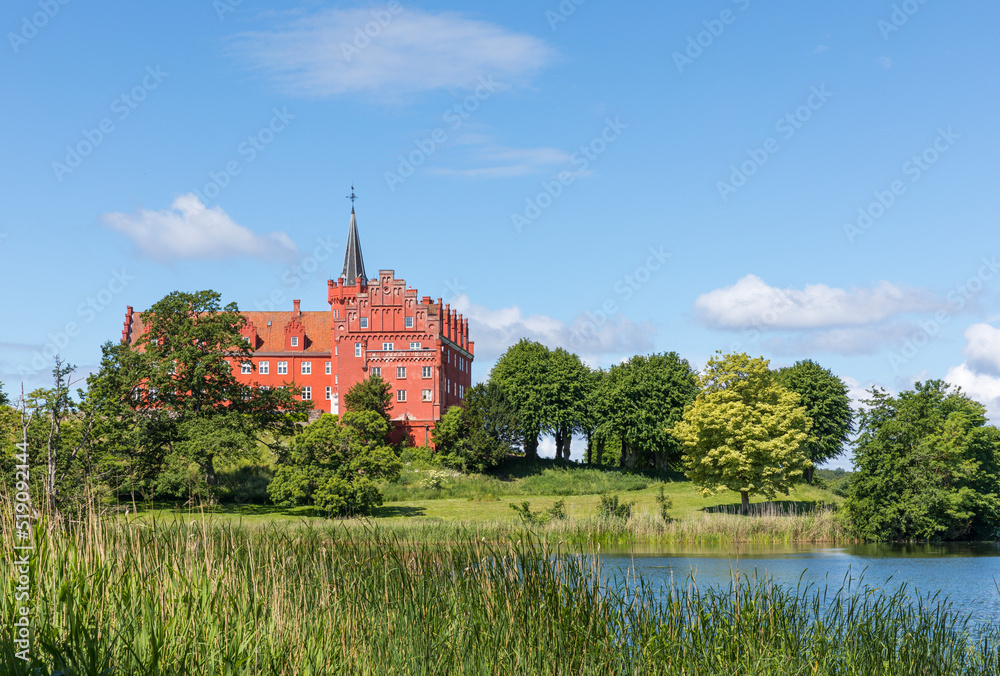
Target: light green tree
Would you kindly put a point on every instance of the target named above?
(744, 432)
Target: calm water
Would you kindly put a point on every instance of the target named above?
(967, 573)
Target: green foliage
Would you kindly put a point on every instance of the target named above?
(172, 396)
(837, 481)
(828, 405)
(478, 435)
(744, 431)
(557, 510)
(612, 508)
(337, 467)
(665, 503)
(522, 373)
(527, 516)
(568, 384)
(926, 467)
(421, 456)
(638, 402)
(371, 394)
(4, 400)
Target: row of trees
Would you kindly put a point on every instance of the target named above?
(627, 413)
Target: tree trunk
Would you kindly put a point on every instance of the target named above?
(210, 469)
(531, 446)
(809, 475)
(588, 455)
(745, 499)
(567, 440)
(599, 451)
(559, 443)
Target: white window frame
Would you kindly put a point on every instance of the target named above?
(357, 349)
(307, 393)
(377, 371)
(400, 372)
(401, 396)
(329, 392)
(427, 372)
(425, 395)
(409, 322)
(264, 367)
(295, 341)
(328, 368)
(282, 368)
(246, 368)
(414, 346)
(306, 368)
(387, 346)
(363, 322)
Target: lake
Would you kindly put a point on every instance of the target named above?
(967, 573)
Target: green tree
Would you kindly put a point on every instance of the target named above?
(337, 467)
(371, 394)
(926, 467)
(523, 372)
(172, 396)
(638, 401)
(828, 406)
(568, 385)
(4, 401)
(744, 432)
(479, 434)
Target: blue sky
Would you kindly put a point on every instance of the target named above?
(797, 180)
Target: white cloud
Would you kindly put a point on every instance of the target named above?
(982, 387)
(982, 349)
(334, 52)
(189, 229)
(496, 330)
(501, 162)
(750, 302)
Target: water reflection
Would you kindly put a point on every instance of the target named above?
(968, 573)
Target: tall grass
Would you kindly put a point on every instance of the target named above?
(116, 597)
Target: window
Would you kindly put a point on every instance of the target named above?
(400, 371)
(307, 393)
(377, 371)
(425, 395)
(400, 395)
(425, 372)
(264, 367)
(414, 346)
(246, 368)
(386, 346)
(357, 349)
(282, 367)
(409, 322)
(336, 379)
(295, 341)
(329, 393)
(336, 314)
(307, 368)
(327, 367)
(264, 388)
(364, 322)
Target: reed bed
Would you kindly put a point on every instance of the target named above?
(150, 598)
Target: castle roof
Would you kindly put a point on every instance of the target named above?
(354, 262)
(270, 327)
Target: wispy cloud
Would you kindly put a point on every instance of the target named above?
(190, 230)
(334, 52)
(752, 302)
(496, 330)
(493, 161)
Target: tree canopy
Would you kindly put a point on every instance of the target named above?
(926, 467)
(743, 432)
(522, 371)
(638, 401)
(828, 405)
(479, 434)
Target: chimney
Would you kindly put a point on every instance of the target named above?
(296, 304)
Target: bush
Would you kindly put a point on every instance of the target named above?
(527, 516)
(666, 503)
(557, 511)
(612, 508)
(418, 455)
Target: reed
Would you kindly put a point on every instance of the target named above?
(111, 596)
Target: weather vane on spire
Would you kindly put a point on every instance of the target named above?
(352, 197)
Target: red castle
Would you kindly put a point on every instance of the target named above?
(374, 327)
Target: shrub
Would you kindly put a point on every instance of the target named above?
(557, 511)
(612, 508)
(666, 503)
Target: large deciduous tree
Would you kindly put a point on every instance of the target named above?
(927, 467)
(567, 387)
(744, 432)
(638, 402)
(172, 396)
(828, 406)
(479, 434)
(522, 372)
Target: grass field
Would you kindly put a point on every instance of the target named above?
(443, 504)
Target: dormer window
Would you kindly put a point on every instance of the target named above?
(295, 341)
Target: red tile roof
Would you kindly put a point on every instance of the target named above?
(272, 338)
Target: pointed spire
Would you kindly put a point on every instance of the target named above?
(354, 262)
